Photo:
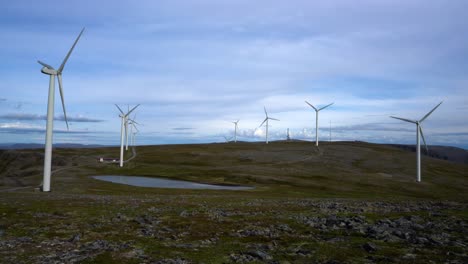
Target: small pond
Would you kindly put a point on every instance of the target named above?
(165, 183)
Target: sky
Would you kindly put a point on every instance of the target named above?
(196, 66)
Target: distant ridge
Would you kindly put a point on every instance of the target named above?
(59, 145)
(449, 153)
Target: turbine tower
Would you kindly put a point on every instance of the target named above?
(123, 117)
(235, 130)
(316, 119)
(419, 131)
(49, 70)
(266, 120)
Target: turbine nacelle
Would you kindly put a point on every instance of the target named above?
(48, 71)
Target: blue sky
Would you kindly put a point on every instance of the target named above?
(195, 66)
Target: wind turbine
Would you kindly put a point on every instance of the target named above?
(123, 117)
(227, 139)
(316, 119)
(235, 130)
(126, 130)
(132, 122)
(49, 70)
(266, 120)
(134, 133)
(419, 130)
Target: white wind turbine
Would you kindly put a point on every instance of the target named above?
(123, 117)
(134, 132)
(316, 119)
(133, 124)
(126, 129)
(49, 70)
(419, 131)
(266, 120)
(235, 130)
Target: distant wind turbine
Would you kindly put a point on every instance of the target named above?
(235, 130)
(227, 139)
(419, 131)
(123, 117)
(266, 120)
(49, 70)
(126, 130)
(135, 132)
(316, 119)
(133, 124)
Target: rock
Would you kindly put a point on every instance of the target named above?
(24, 239)
(258, 254)
(369, 247)
(184, 213)
(173, 261)
(421, 240)
(409, 256)
(241, 258)
(75, 238)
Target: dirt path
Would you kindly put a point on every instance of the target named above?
(134, 154)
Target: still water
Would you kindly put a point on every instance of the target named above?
(165, 183)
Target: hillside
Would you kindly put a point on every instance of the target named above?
(339, 169)
(347, 202)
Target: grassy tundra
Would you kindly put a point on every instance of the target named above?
(347, 202)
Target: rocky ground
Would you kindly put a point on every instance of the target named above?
(213, 229)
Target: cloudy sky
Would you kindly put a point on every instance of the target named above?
(195, 66)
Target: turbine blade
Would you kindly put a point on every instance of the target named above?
(59, 76)
(325, 106)
(132, 109)
(263, 122)
(424, 140)
(45, 65)
(265, 111)
(69, 53)
(120, 110)
(273, 118)
(134, 122)
(427, 115)
(311, 106)
(404, 119)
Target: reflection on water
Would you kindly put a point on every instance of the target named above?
(165, 183)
